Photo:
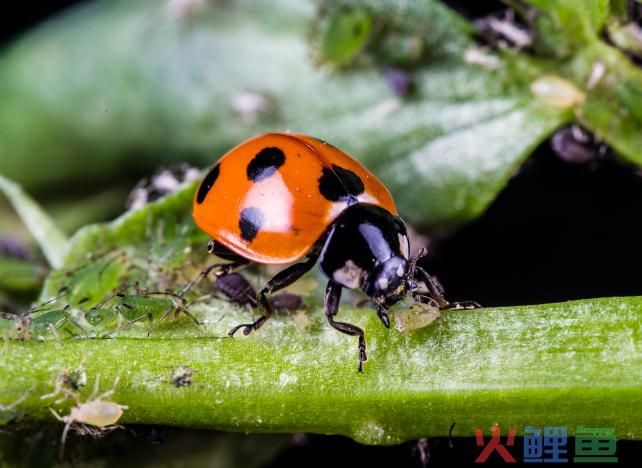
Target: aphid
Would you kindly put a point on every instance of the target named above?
(163, 182)
(237, 289)
(575, 146)
(67, 382)
(241, 292)
(417, 316)
(557, 91)
(281, 197)
(18, 326)
(181, 376)
(287, 302)
(98, 274)
(96, 411)
(503, 31)
(122, 310)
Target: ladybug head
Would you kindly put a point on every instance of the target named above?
(388, 282)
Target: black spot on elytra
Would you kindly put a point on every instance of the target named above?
(250, 222)
(339, 184)
(207, 183)
(265, 163)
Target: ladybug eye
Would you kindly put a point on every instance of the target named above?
(210, 246)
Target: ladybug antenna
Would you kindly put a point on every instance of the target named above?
(422, 252)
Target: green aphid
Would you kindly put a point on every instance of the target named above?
(343, 35)
(53, 321)
(121, 310)
(89, 284)
(419, 315)
(102, 317)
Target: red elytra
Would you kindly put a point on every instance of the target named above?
(272, 197)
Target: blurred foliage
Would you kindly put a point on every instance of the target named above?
(50, 238)
(172, 85)
(170, 81)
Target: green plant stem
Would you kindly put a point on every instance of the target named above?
(566, 364)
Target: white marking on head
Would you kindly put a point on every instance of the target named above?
(400, 271)
(383, 283)
(404, 246)
(349, 275)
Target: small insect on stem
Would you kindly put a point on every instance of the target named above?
(557, 92)
(143, 305)
(21, 325)
(95, 412)
(181, 376)
(67, 382)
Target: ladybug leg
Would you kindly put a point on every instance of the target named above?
(332, 299)
(383, 316)
(435, 291)
(222, 269)
(218, 249)
(281, 280)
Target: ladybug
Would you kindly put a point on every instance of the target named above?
(280, 198)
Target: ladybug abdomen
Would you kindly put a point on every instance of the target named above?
(272, 197)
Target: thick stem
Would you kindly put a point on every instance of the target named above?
(568, 364)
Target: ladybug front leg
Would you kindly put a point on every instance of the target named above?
(332, 299)
(435, 291)
(438, 294)
(281, 280)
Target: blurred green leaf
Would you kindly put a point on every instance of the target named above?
(170, 86)
(51, 240)
(611, 81)
(578, 20)
(344, 36)
(19, 275)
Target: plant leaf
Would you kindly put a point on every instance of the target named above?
(170, 89)
(579, 20)
(51, 240)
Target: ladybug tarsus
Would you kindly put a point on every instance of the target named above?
(281, 280)
(332, 299)
(383, 317)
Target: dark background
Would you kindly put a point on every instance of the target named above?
(558, 232)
